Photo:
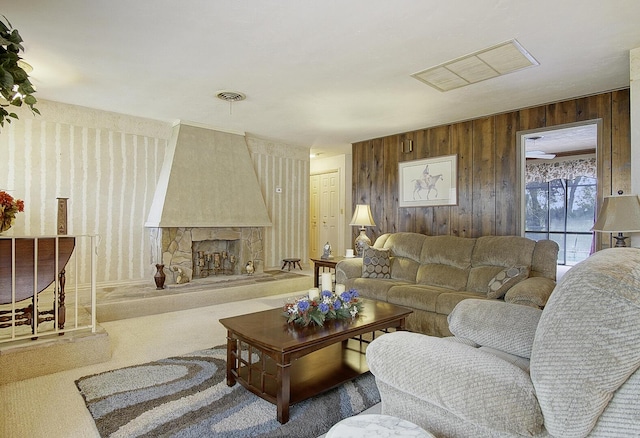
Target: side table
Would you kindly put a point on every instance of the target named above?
(326, 265)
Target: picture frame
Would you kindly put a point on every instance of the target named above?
(428, 182)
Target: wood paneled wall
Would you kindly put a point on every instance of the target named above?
(488, 177)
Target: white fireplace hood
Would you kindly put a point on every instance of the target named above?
(207, 180)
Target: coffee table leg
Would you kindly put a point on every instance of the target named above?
(284, 391)
(232, 349)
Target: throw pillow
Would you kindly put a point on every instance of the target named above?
(376, 263)
(503, 280)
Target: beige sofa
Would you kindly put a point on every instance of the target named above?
(571, 370)
(431, 274)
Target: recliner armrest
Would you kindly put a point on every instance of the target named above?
(532, 291)
(503, 326)
(477, 387)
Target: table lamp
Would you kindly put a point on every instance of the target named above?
(619, 214)
(362, 217)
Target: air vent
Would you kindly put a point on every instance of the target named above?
(231, 96)
(485, 64)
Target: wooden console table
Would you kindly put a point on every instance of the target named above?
(326, 265)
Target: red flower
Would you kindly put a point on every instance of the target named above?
(8, 209)
(6, 200)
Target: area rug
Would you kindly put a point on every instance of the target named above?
(187, 396)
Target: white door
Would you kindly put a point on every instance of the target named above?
(314, 217)
(329, 211)
(324, 213)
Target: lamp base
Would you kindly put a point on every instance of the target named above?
(361, 242)
(620, 240)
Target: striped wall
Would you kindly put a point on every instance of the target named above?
(107, 164)
(279, 165)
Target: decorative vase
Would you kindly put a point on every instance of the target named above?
(159, 278)
(5, 223)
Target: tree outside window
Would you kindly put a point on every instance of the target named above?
(562, 210)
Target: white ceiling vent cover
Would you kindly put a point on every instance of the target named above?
(484, 64)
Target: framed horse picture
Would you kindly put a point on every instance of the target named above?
(429, 182)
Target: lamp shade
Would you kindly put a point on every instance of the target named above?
(620, 214)
(362, 216)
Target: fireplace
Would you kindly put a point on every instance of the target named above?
(206, 252)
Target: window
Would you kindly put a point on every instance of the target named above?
(562, 210)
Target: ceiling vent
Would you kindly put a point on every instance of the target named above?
(479, 66)
(231, 96)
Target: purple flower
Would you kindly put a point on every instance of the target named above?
(303, 306)
(324, 307)
(326, 293)
(337, 304)
(345, 296)
(354, 293)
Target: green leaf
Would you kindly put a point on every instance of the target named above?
(6, 80)
(318, 319)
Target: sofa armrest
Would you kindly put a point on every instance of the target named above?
(475, 386)
(348, 268)
(502, 326)
(532, 291)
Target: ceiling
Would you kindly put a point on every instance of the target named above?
(318, 73)
(566, 140)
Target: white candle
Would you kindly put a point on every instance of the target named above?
(350, 252)
(314, 293)
(326, 281)
(340, 288)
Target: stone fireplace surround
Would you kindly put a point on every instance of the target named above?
(174, 246)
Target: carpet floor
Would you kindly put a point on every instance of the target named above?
(187, 396)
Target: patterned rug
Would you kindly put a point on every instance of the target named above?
(187, 396)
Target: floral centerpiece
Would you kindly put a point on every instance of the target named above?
(9, 207)
(305, 311)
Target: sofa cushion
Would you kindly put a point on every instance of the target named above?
(505, 279)
(374, 288)
(407, 245)
(447, 301)
(445, 262)
(491, 254)
(448, 250)
(443, 276)
(405, 253)
(404, 269)
(418, 297)
(376, 263)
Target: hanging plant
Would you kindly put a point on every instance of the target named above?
(15, 86)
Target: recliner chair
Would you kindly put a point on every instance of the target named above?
(570, 370)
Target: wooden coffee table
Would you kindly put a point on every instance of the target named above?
(285, 364)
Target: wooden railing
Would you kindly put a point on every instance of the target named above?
(36, 273)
